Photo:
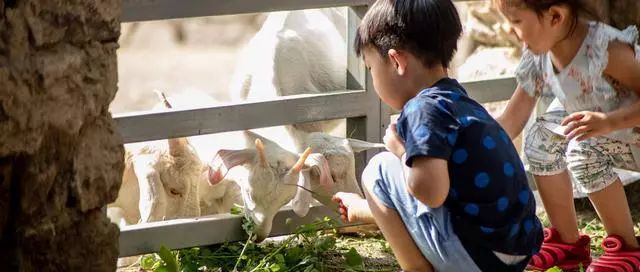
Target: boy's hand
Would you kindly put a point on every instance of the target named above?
(392, 141)
(587, 124)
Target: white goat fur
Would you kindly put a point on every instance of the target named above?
(167, 179)
(270, 185)
(295, 52)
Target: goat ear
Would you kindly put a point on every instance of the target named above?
(302, 199)
(251, 138)
(226, 159)
(319, 163)
(178, 146)
(359, 145)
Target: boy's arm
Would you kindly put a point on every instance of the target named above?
(428, 180)
(517, 113)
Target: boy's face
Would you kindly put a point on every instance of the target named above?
(386, 81)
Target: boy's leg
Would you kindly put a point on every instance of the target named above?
(404, 248)
(421, 238)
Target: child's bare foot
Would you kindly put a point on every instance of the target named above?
(353, 208)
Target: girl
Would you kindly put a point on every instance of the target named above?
(591, 127)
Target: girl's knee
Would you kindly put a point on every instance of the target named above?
(544, 150)
(591, 169)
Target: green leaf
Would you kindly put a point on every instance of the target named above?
(309, 259)
(309, 268)
(170, 261)
(325, 243)
(274, 267)
(162, 269)
(293, 255)
(236, 210)
(554, 269)
(353, 258)
(148, 261)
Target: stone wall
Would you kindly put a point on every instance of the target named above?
(61, 160)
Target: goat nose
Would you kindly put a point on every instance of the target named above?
(260, 238)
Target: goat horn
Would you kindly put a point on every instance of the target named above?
(298, 166)
(163, 98)
(260, 149)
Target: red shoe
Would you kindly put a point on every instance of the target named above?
(616, 258)
(568, 257)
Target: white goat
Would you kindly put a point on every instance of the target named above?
(277, 176)
(295, 52)
(166, 179)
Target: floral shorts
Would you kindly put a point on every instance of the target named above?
(591, 162)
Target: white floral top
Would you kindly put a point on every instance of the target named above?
(582, 86)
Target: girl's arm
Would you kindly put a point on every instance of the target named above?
(624, 67)
(515, 116)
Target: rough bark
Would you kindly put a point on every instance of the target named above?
(624, 13)
(61, 160)
(618, 13)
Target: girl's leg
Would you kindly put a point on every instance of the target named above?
(556, 192)
(613, 209)
(545, 152)
(592, 161)
(404, 248)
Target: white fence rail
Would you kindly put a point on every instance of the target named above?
(366, 116)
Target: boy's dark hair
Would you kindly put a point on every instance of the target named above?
(577, 7)
(428, 29)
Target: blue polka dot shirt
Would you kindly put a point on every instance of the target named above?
(491, 204)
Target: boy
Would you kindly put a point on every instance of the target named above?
(461, 201)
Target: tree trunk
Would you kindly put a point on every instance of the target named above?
(618, 13)
(61, 160)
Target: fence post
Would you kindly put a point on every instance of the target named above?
(370, 127)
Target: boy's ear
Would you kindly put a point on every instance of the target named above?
(398, 60)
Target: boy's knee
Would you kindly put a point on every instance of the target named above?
(378, 167)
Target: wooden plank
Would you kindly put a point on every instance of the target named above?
(356, 70)
(491, 90)
(145, 126)
(208, 230)
(145, 10)
(356, 79)
(142, 10)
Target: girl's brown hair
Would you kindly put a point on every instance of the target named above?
(579, 8)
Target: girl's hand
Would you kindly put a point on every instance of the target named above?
(392, 141)
(587, 124)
